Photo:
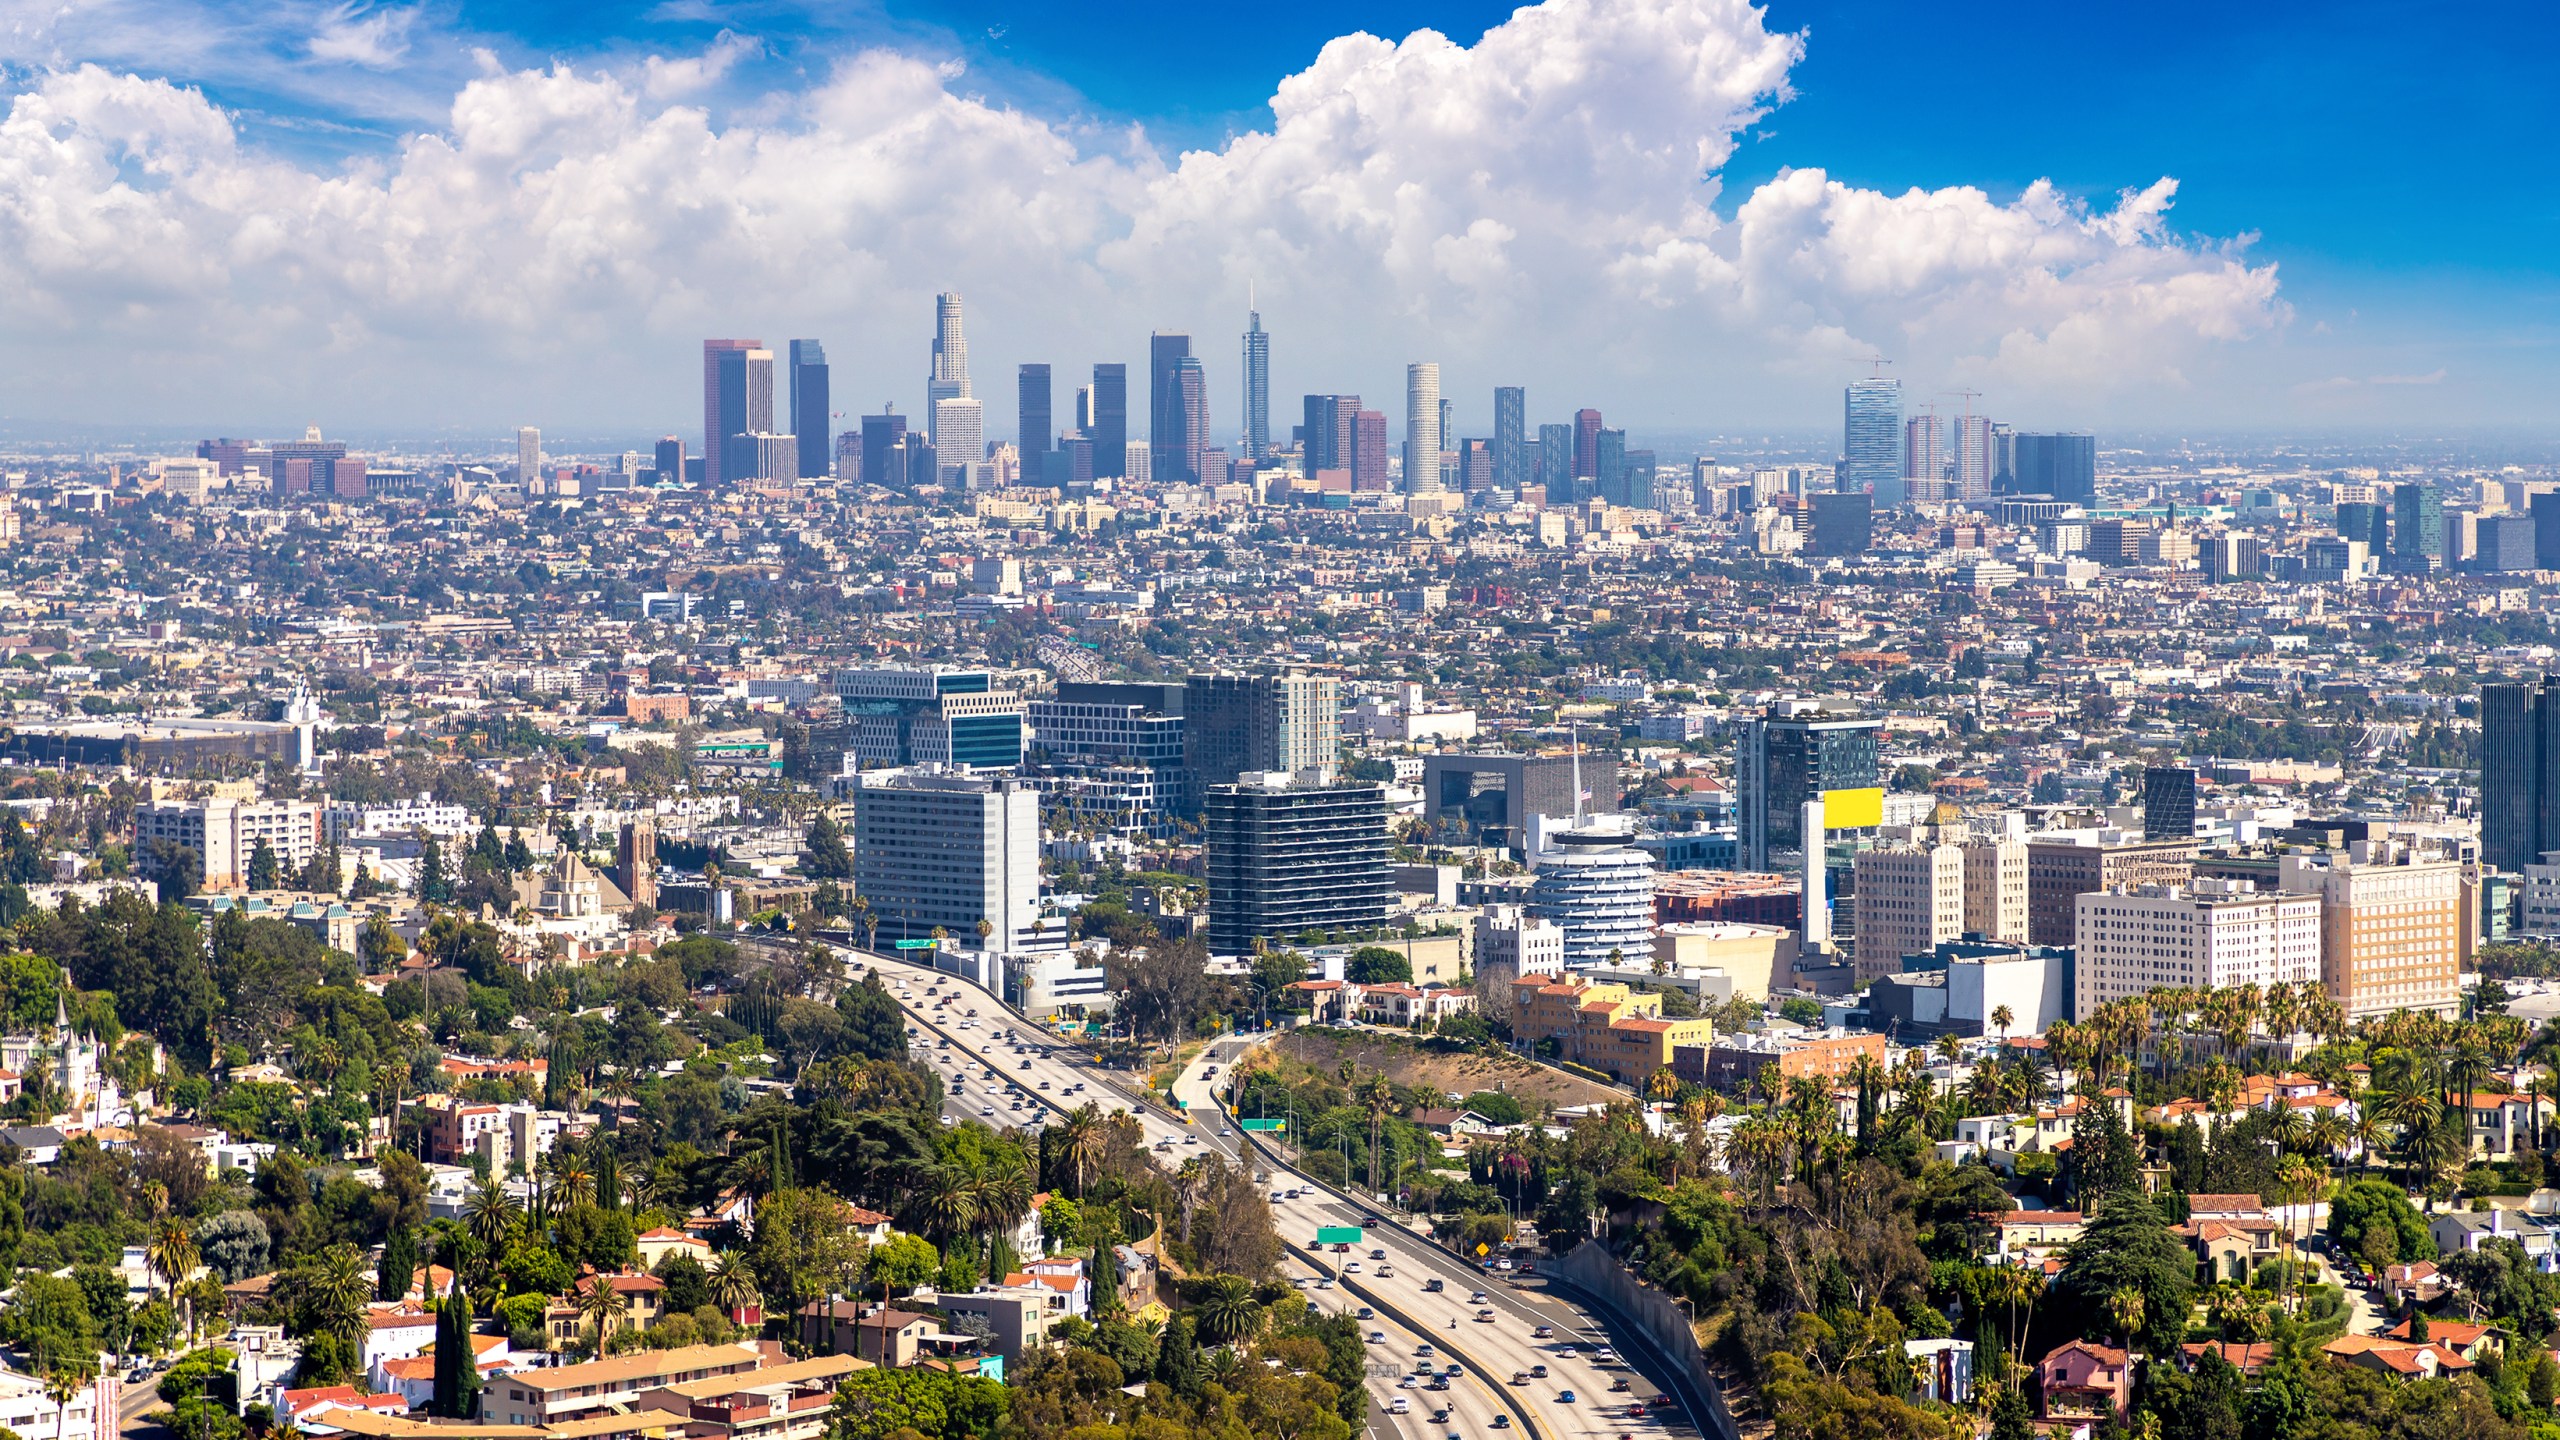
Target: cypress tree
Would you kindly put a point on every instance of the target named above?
(781, 1156)
(608, 1176)
(399, 1264)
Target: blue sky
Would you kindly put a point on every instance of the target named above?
(2393, 165)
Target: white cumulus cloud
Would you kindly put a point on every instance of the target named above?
(1542, 206)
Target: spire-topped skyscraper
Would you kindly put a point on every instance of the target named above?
(950, 377)
(1257, 386)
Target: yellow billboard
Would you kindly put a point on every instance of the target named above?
(1852, 809)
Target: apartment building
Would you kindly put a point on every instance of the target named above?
(2208, 934)
(1995, 889)
(1609, 1027)
(1910, 899)
(2390, 926)
(1731, 1063)
(566, 1392)
(225, 834)
(2059, 872)
(949, 852)
(779, 1402)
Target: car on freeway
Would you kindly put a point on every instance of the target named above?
(1377, 1337)
(1543, 1332)
(1605, 1355)
(1538, 1372)
(1386, 1272)
(1351, 1267)
(1377, 1254)
(1424, 1349)
(1399, 1406)
(1476, 1299)
(1501, 1422)
(1566, 1397)
(1484, 1317)
(1621, 1383)
(1433, 1286)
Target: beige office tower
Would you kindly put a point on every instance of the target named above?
(2390, 927)
(1995, 889)
(1910, 899)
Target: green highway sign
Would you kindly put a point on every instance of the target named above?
(1264, 1125)
(914, 945)
(1338, 1235)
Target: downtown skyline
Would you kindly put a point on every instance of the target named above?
(611, 206)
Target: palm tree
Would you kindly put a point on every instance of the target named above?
(1228, 1312)
(337, 1292)
(2004, 1017)
(574, 1184)
(605, 1307)
(1003, 1199)
(63, 1382)
(2127, 1308)
(948, 1203)
(1664, 1084)
(1082, 1141)
(2297, 1184)
(490, 1215)
(172, 1256)
(733, 1288)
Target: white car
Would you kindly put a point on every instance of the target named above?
(1377, 1337)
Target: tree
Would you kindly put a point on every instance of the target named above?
(399, 1266)
(902, 1264)
(2128, 1246)
(827, 857)
(172, 1256)
(265, 872)
(234, 1245)
(1377, 965)
(2363, 1210)
(457, 1367)
(1165, 985)
(1227, 1312)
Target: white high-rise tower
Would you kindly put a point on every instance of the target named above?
(1422, 439)
(950, 377)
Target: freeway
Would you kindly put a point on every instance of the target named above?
(1488, 1322)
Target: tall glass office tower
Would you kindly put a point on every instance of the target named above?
(1871, 442)
(950, 377)
(812, 423)
(1257, 388)
(1510, 438)
(1422, 440)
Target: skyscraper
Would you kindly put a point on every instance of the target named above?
(1233, 724)
(1448, 441)
(2417, 524)
(950, 377)
(528, 454)
(2168, 803)
(1110, 428)
(1973, 446)
(1924, 457)
(670, 460)
(884, 449)
(1871, 439)
(1510, 438)
(2519, 772)
(1609, 464)
(1257, 389)
(1786, 760)
(812, 422)
(724, 400)
(1369, 449)
(1031, 387)
(1164, 352)
(1843, 522)
(1555, 463)
(1586, 444)
(959, 438)
(1180, 461)
(2063, 465)
(1422, 444)
(1330, 439)
(1282, 859)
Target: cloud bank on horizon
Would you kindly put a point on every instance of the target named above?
(1542, 207)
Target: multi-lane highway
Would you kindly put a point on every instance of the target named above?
(1498, 1327)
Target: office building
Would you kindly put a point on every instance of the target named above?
(1609, 464)
(1555, 463)
(2168, 803)
(1909, 900)
(2059, 872)
(1598, 889)
(2210, 934)
(1995, 889)
(1975, 439)
(2546, 530)
(2390, 927)
(1843, 523)
(884, 455)
(949, 377)
(1164, 422)
(737, 383)
(723, 401)
(1924, 457)
(1799, 754)
(1326, 441)
(226, 834)
(959, 440)
(2519, 772)
(758, 455)
(928, 715)
(1185, 460)
(1284, 859)
(2365, 523)
(1235, 724)
(1510, 438)
(1871, 439)
(1489, 799)
(1586, 448)
(1369, 469)
(670, 460)
(812, 413)
(2506, 545)
(1257, 388)
(1422, 439)
(2417, 522)
(1110, 425)
(528, 455)
(948, 852)
(1103, 726)
(2062, 465)
(1032, 396)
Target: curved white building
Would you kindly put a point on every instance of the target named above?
(1598, 890)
